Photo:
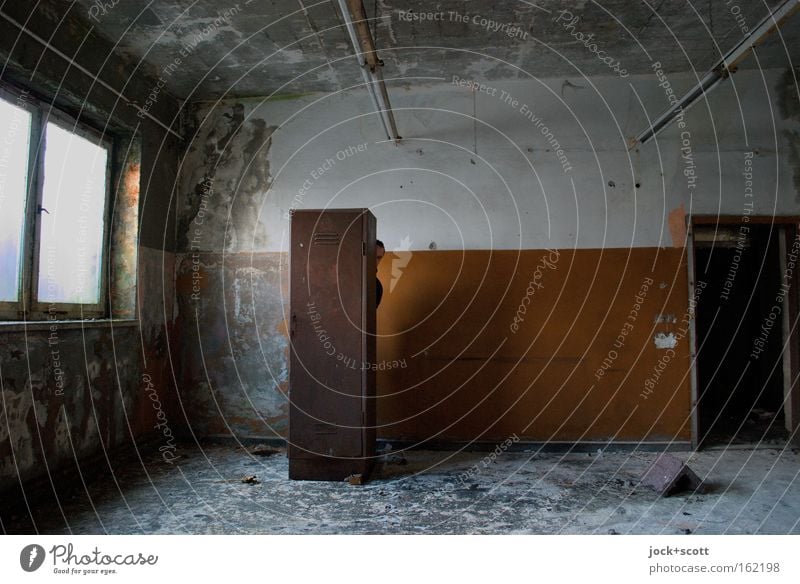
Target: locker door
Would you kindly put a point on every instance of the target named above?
(327, 276)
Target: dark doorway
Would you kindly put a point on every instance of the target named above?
(739, 335)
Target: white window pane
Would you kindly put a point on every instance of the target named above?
(74, 195)
(15, 131)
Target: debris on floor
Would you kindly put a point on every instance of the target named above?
(755, 492)
(251, 480)
(355, 479)
(387, 457)
(265, 450)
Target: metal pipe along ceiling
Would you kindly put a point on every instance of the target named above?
(721, 70)
(369, 64)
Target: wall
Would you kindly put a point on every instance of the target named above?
(468, 210)
(548, 345)
(118, 387)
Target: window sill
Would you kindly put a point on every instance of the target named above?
(45, 325)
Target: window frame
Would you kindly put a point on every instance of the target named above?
(16, 310)
(28, 307)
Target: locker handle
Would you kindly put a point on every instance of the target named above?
(293, 325)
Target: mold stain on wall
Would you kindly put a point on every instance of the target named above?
(226, 173)
(229, 292)
(234, 358)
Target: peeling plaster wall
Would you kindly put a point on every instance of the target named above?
(235, 350)
(221, 199)
(116, 378)
(158, 337)
(234, 354)
(43, 431)
(456, 184)
(254, 48)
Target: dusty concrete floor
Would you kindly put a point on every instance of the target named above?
(751, 491)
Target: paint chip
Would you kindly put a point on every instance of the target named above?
(666, 318)
(667, 341)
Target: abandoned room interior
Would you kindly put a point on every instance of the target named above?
(590, 213)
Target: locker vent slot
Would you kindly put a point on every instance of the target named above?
(326, 238)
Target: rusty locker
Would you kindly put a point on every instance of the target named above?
(332, 340)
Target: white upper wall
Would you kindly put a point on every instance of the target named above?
(500, 183)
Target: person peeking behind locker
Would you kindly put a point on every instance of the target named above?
(380, 250)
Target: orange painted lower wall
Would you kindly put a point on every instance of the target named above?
(547, 345)
(453, 363)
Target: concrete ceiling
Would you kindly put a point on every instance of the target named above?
(257, 47)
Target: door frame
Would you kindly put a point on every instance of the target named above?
(788, 228)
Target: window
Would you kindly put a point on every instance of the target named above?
(54, 199)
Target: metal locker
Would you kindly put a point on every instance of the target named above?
(332, 343)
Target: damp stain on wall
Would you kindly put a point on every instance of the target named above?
(225, 177)
(53, 423)
(786, 90)
(234, 358)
